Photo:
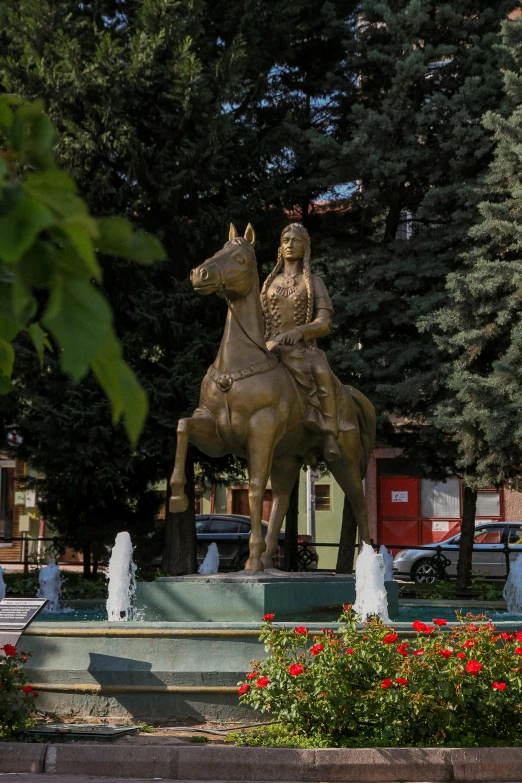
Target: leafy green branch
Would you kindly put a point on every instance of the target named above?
(48, 265)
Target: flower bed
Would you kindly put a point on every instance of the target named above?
(460, 688)
(17, 699)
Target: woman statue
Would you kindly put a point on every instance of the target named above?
(297, 310)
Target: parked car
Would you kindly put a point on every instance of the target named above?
(414, 563)
(231, 532)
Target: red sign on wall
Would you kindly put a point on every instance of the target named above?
(399, 497)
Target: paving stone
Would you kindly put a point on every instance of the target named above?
(21, 757)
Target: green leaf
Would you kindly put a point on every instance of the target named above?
(125, 394)
(9, 325)
(24, 303)
(81, 230)
(7, 355)
(20, 227)
(6, 115)
(6, 384)
(57, 190)
(79, 318)
(118, 238)
(40, 340)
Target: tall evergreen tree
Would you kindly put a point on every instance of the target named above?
(482, 322)
(413, 143)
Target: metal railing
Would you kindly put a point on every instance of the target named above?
(437, 559)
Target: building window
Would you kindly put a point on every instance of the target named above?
(7, 484)
(322, 497)
(488, 503)
(440, 499)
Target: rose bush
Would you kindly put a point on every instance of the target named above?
(17, 698)
(460, 686)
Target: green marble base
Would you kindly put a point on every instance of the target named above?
(246, 597)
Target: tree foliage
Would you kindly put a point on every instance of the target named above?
(481, 326)
(48, 264)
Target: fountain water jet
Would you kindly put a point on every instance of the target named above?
(50, 587)
(210, 564)
(388, 563)
(513, 588)
(122, 580)
(371, 598)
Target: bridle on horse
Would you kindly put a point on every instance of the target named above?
(224, 381)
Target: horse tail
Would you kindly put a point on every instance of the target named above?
(367, 421)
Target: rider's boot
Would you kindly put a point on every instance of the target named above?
(331, 447)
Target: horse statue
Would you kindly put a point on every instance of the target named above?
(251, 406)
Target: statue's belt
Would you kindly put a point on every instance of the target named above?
(225, 380)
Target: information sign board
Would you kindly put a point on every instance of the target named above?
(15, 615)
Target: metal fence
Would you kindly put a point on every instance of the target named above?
(307, 555)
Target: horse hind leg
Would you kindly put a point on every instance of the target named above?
(283, 476)
(347, 474)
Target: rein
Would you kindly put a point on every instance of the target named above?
(224, 381)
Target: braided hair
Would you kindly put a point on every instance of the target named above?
(307, 276)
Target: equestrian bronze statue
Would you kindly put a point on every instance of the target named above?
(270, 395)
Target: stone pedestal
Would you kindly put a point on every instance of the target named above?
(247, 596)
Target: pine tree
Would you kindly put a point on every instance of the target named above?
(412, 142)
(482, 322)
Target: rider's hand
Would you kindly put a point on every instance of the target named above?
(292, 337)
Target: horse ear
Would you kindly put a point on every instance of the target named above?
(250, 235)
(232, 232)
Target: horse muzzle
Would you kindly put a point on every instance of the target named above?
(205, 280)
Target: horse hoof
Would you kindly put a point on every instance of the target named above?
(254, 564)
(178, 504)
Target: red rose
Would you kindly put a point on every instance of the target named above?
(27, 688)
(295, 669)
(418, 652)
(418, 625)
(244, 688)
(518, 650)
(349, 651)
(469, 643)
(446, 653)
(401, 680)
(473, 667)
(505, 636)
(9, 649)
(440, 621)
(387, 683)
(402, 649)
(347, 607)
(262, 682)
(35, 694)
(428, 629)
(519, 636)
(473, 628)
(301, 630)
(268, 617)
(499, 686)
(252, 675)
(461, 655)
(390, 638)
(316, 649)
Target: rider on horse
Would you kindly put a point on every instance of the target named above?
(297, 310)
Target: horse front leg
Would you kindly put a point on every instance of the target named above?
(200, 429)
(260, 452)
(283, 476)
